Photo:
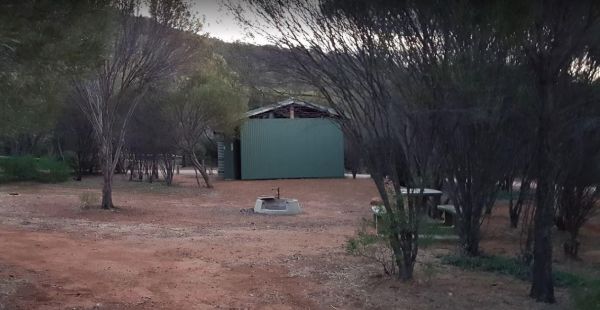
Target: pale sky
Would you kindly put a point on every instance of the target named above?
(220, 23)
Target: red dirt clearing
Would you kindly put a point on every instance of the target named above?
(188, 248)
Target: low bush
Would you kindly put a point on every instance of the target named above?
(18, 168)
(52, 171)
(372, 246)
(27, 168)
(585, 292)
(88, 200)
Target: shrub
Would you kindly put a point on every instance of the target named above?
(18, 168)
(88, 199)
(52, 171)
(372, 246)
(27, 168)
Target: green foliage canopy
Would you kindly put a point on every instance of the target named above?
(42, 45)
(210, 101)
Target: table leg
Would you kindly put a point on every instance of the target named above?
(434, 212)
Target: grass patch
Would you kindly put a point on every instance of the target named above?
(511, 267)
(585, 292)
(426, 228)
(437, 229)
(587, 297)
(506, 195)
(496, 264)
(431, 233)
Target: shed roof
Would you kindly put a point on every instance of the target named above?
(292, 101)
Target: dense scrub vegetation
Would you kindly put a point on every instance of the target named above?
(464, 96)
(28, 168)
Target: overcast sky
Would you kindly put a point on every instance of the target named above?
(220, 23)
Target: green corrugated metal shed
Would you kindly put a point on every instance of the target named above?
(289, 139)
(291, 148)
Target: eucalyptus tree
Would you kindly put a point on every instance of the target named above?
(75, 137)
(555, 36)
(445, 72)
(151, 141)
(205, 104)
(142, 52)
(578, 183)
(43, 43)
(460, 66)
(355, 69)
(578, 191)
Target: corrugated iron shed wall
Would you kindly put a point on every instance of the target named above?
(291, 148)
(227, 151)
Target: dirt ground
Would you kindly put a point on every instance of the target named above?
(182, 247)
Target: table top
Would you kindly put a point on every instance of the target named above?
(417, 191)
(427, 192)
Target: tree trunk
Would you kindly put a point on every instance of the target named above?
(131, 165)
(79, 169)
(488, 209)
(409, 248)
(107, 202)
(571, 246)
(514, 217)
(167, 168)
(470, 242)
(140, 166)
(205, 176)
(542, 288)
(406, 272)
(467, 221)
(200, 167)
(515, 210)
(403, 254)
(107, 174)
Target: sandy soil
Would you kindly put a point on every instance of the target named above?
(188, 248)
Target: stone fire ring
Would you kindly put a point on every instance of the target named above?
(277, 206)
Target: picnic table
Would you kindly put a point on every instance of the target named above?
(427, 194)
(449, 214)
